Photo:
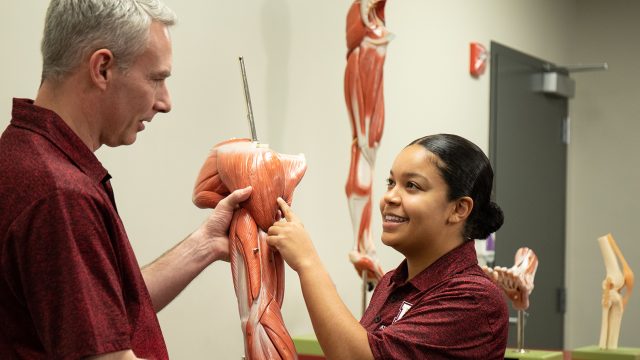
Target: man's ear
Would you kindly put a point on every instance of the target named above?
(101, 65)
(462, 210)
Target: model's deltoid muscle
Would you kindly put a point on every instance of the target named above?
(517, 281)
(613, 302)
(367, 40)
(258, 271)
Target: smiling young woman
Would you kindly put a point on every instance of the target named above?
(437, 303)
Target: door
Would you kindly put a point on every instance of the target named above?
(528, 151)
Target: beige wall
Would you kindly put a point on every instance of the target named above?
(295, 57)
(604, 170)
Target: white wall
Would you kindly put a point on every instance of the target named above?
(295, 57)
(604, 170)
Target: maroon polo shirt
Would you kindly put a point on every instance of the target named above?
(70, 285)
(450, 310)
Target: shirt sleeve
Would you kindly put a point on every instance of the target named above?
(457, 322)
(68, 276)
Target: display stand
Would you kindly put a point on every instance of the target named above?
(521, 353)
(364, 292)
(532, 354)
(594, 352)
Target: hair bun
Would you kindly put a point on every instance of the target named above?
(489, 220)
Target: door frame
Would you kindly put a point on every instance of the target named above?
(498, 51)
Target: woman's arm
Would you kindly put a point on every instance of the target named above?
(339, 333)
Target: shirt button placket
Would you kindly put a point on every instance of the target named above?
(377, 319)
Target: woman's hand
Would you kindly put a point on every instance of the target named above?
(290, 238)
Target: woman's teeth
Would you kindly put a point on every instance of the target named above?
(393, 218)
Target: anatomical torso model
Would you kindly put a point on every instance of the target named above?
(613, 302)
(258, 271)
(367, 40)
(517, 281)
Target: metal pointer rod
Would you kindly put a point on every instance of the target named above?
(247, 98)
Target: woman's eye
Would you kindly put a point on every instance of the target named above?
(412, 185)
(390, 183)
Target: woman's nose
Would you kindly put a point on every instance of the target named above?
(391, 196)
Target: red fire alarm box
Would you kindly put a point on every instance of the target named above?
(478, 59)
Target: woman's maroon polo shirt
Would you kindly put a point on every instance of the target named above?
(451, 310)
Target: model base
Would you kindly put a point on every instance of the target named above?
(594, 352)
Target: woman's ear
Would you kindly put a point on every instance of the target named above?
(101, 64)
(462, 210)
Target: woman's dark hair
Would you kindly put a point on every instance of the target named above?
(467, 172)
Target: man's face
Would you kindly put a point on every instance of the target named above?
(141, 91)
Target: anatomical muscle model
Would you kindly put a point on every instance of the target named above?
(517, 281)
(258, 271)
(613, 302)
(367, 40)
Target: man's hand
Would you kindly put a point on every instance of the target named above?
(212, 235)
(172, 272)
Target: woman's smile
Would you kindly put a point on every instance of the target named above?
(391, 222)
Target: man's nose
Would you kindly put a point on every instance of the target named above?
(163, 101)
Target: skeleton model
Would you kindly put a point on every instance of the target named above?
(516, 281)
(613, 302)
(258, 271)
(367, 40)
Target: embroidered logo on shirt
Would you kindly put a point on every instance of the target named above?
(403, 310)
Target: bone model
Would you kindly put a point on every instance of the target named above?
(367, 40)
(516, 281)
(613, 303)
(258, 270)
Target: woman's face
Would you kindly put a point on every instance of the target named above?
(415, 209)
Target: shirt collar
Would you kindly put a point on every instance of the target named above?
(49, 125)
(449, 264)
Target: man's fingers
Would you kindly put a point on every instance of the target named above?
(236, 197)
(240, 195)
